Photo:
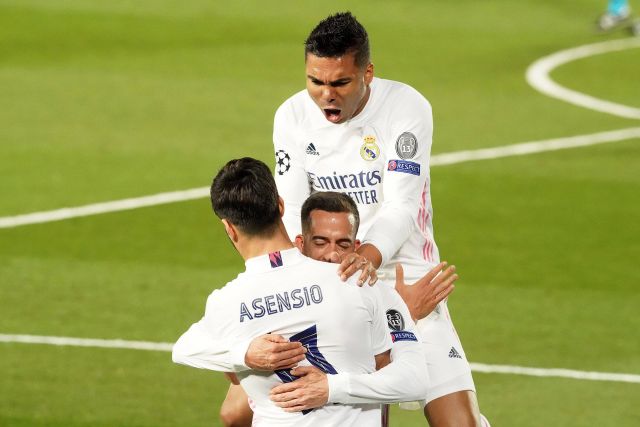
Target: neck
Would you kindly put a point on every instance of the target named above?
(363, 102)
(252, 247)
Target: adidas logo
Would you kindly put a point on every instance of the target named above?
(311, 149)
(454, 354)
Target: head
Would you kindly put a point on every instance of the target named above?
(329, 225)
(338, 66)
(245, 198)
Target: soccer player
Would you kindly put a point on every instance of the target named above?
(340, 326)
(371, 139)
(329, 224)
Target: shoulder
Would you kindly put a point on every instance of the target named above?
(401, 96)
(294, 109)
(223, 296)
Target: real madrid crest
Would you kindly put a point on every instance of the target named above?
(370, 150)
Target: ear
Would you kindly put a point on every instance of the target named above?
(356, 244)
(299, 242)
(281, 206)
(231, 231)
(368, 74)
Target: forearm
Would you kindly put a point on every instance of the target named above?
(390, 230)
(197, 349)
(405, 379)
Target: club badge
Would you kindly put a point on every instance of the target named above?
(407, 146)
(369, 150)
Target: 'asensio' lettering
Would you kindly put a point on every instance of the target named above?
(277, 303)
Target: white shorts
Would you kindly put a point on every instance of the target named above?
(449, 370)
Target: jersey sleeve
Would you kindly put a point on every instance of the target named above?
(290, 176)
(207, 344)
(380, 339)
(405, 174)
(406, 378)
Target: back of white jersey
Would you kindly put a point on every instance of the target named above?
(380, 158)
(341, 325)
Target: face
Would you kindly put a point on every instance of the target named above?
(330, 232)
(338, 86)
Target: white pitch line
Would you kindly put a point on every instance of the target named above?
(86, 342)
(164, 346)
(560, 373)
(535, 147)
(538, 76)
(436, 160)
(100, 208)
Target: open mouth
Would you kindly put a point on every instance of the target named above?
(332, 114)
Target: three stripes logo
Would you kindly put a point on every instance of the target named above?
(311, 150)
(453, 353)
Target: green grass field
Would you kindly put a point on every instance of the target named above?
(110, 100)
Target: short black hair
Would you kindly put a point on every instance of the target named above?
(244, 193)
(337, 35)
(328, 201)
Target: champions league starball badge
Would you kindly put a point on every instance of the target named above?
(406, 145)
(369, 150)
(395, 320)
(283, 162)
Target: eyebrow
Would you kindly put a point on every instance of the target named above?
(340, 81)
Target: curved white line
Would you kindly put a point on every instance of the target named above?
(165, 346)
(538, 77)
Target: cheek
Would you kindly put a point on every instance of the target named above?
(314, 92)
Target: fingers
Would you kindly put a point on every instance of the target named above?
(368, 272)
(288, 363)
(282, 389)
(444, 276)
(351, 264)
(345, 270)
(301, 371)
(275, 338)
(399, 276)
(433, 273)
(373, 275)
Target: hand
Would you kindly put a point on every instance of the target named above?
(271, 352)
(354, 262)
(423, 296)
(309, 391)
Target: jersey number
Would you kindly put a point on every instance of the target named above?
(309, 339)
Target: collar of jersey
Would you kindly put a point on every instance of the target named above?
(261, 264)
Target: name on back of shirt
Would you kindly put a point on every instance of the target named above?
(280, 302)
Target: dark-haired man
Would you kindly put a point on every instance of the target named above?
(330, 222)
(371, 139)
(340, 326)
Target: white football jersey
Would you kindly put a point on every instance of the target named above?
(342, 326)
(380, 158)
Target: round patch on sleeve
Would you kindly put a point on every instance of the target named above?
(395, 320)
(283, 162)
(406, 145)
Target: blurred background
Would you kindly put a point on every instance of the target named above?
(103, 101)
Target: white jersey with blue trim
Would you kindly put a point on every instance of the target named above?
(342, 326)
(380, 158)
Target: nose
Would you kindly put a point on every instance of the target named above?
(328, 93)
